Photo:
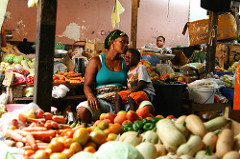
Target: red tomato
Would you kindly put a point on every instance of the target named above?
(55, 78)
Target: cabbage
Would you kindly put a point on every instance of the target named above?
(28, 91)
(17, 59)
(117, 150)
(9, 58)
(83, 154)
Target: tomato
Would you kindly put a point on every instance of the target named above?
(55, 78)
(89, 149)
(90, 143)
(103, 125)
(68, 142)
(75, 147)
(56, 146)
(28, 152)
(67, 152)
(41, 154)
(58, 156)
(68, 133)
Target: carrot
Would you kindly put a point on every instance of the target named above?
(75, 81)
(32, 125)
(42, 144)
(51, 124)
(10, 143)
(76, 78)
(64, 126)
(59, 119)
(62, 77)
(36, 120)
(31, 141)
(19, 144)
(60, 81)
(22, 132)
(40, 124)
(60, 73)
(43, 134)
(16, 136)
(30, 129)
(47, 116)
(30, 148)
(74, 75)
(48, 125)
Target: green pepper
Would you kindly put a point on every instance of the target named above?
(127, 126)
(145, 120)
(137, 125)
(156, 119)
(148, 126)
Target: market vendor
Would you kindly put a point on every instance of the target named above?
(160, 42)
(105, 74)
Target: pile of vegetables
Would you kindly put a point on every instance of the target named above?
(68, 77)
(186, 138)
(37, 133)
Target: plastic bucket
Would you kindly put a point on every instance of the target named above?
(202, 95)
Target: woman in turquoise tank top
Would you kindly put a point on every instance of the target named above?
(104, 75)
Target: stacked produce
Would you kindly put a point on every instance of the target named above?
(129, 135)
(68, 77)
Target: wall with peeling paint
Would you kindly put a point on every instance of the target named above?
(81, 19)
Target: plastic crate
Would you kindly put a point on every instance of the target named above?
(59, 45)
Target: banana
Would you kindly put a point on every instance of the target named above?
(73, 125)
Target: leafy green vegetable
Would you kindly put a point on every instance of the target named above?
(17, 59)
(117, 150)
(9, 58)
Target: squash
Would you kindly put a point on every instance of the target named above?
(224, 143)
(128, 133)
(180, 119)
(150, 136)
(232, 155)
(191, 147)
(216, 123)
(182, 128)
(173, 155)
(147, 150)
(205, 154)
(164, 157)
(195, 125)
(186, 157)
(236, 142)
(210, 139)
(169, 134)
(161, 150)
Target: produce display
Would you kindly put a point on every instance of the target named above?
(125, 135)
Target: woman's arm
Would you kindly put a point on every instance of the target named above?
(90, 78)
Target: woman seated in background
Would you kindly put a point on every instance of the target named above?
(105, 75)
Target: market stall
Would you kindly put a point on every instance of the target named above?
(175, 130)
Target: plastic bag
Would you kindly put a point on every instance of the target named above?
(29, 110)
(60, 91)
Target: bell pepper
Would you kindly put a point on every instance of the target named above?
(148, 126)
(144, 121)
(138, 126)
(156, 119)
(127, 127)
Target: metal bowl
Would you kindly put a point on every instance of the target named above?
(60, 53)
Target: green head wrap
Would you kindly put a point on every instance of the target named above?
(112, 36)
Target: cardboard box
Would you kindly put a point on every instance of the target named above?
(198, 30)
(94, 48)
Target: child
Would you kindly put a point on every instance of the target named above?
(139, 83)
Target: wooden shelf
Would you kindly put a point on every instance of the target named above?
(67, 97)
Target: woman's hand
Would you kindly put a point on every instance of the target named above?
(93, 103)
